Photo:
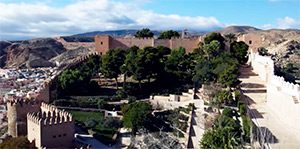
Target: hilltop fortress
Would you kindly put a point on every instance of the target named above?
(105, 42)
(39, 121)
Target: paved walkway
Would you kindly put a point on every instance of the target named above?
(197, 123)
(278, 135)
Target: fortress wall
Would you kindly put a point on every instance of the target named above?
(44, 93)
(284, 106)
(129, 42)
(51, 127)
(189, 43)
(254, 40)
(58, 135)
(162, 42)
(104, 42)
(34, 127)
(282, 97)
(262, 65)
(16, 114)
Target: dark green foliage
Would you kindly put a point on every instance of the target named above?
(228, 76)
(242, 108)
(112, 62)
(247, 124)
(180, 64)
(225, 133)
(203, 72)
(214, 36)
(219, 138)
(263, 51)
(147, 64)
(163, 51)
(230, 37)
(90, 123)
(226, 70)
(168, 34)
(77, 80)
(145, 32)
(238, 95)
(135, 115)
(94, 124)
(16, 143)
(212, 49)
(224, 97)
(218, 65)
(112, 123)
(239, 50)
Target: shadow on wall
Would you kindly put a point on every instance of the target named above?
(252, 85)
(255, 114)
(256, 91)
(249, 100)
(263, 134)
(118, 44)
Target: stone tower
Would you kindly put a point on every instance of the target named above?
(16, 113)
(50, 127)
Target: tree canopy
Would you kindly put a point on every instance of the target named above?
(135, 115)
(168, 34)
(239, 50)
(112, 62)
(145, 32)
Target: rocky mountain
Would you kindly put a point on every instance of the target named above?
(30, 53)
(3, 51)
(238, 29)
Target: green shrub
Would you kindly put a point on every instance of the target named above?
(242, 108)
(246, 128)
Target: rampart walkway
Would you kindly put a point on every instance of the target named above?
(276, 134)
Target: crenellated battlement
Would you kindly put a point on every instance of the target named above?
(49, 115)
(104, 42)
(50, 127)
(22, 102)
(285, 87)
(264, 67)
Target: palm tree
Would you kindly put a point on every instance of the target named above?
(230, 37)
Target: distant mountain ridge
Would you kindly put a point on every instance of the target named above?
(116, 33)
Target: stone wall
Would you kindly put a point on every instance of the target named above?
(282, 97)
(253, 40)
(188, 43)
(16, 114)
(51, 127)
(104, 43)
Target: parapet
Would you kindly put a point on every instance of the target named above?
(286, 87)
(21, 102)
(50, 115)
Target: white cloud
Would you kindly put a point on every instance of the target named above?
(288, 22)
(40, 19)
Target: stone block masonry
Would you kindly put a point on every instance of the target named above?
(104, 42)
(50, 127)
(16, 113)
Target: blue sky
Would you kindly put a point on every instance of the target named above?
(247, 12)
(36, 18)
